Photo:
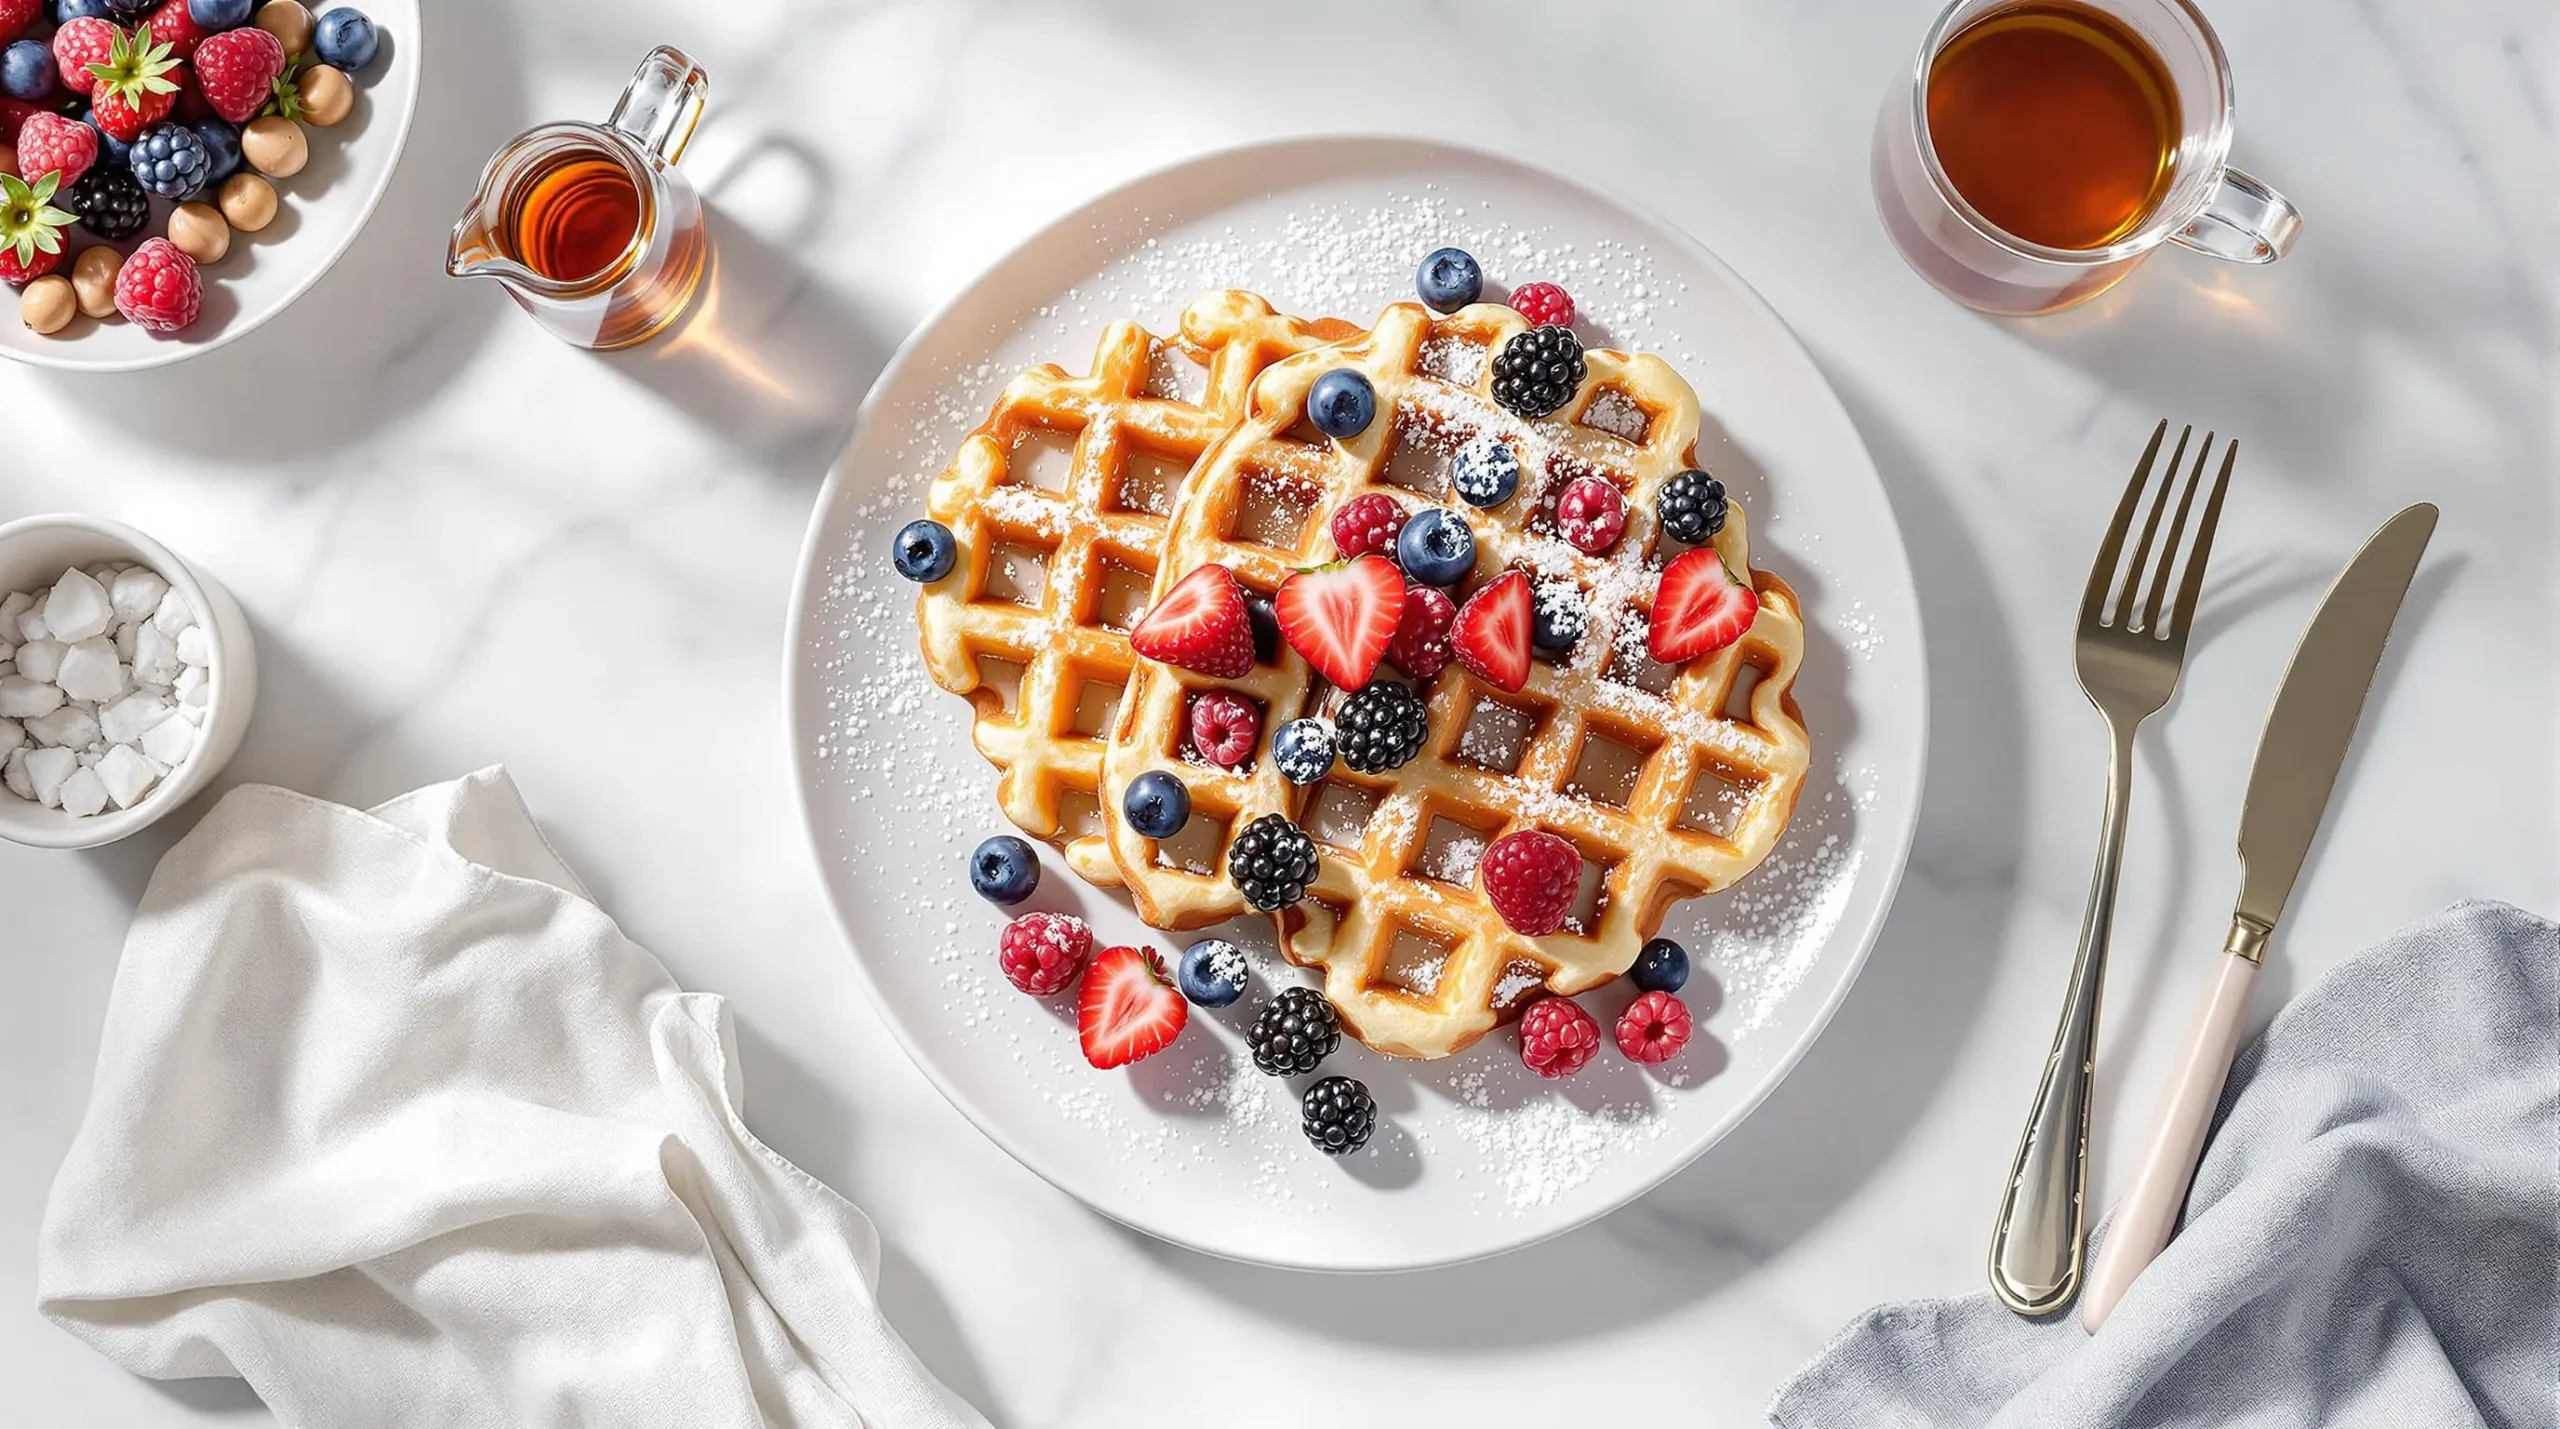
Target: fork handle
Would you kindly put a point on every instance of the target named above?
(2149, 1215)
(2036, 1244)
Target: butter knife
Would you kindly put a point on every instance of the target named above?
(2308, 731)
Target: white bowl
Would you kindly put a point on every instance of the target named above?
(35, 551)
(318, 214)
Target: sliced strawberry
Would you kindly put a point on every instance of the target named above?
(1492, 633)
(1201, 625)
(1700, 608)
(1127, 1009)
(1341, 617)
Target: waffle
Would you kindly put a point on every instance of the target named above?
(1032, 622)
(1413, 957)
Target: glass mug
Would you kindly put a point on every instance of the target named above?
(1980, 48)
(591, 228)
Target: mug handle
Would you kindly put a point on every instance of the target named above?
(662, 103)
(2245, 221)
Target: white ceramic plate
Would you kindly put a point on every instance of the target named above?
(319, 212)
(1474, 1155)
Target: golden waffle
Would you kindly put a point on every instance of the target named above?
(1032, 622)
(1692, 799)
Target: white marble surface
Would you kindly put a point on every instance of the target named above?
(464, 543)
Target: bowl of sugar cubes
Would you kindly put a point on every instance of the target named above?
(126, 680)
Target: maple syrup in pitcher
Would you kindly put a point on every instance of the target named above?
(575, 219)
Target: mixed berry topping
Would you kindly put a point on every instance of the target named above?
(1691, 507)
(1202, 625)
(1212, 972)
(1538, 371)
(1041, 953)
(1303, 750)
(1337, 1115)
(1699, 608)
(1653, 1028)
(1339, 618)
(1004, 870)
(1156, 805)
(1543, 304)
(1557, 1038)
(1421, 646)
(1559, 616)
(1225, 727)
(1436, 547)
(1366, 525)
(924, 550)
(1293, 1033)
(1485, 473)
(1381, 728)
(1663, 966)
(1271, 862)
(1591, 514)
(1341, 404)
(1531, 877)
(1449, 279)
(1127, 1010)
(1493, 632)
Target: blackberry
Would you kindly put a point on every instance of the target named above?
(1691, 507)
(1381, 727)
(1338, 1114)
(1538, 371)
(171, 160)
(110, 202)
(1271, 862)
(1294, 1032)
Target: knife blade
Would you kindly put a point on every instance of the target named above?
(2314, 718)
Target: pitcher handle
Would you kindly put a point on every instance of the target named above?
(662, 103)
(2246, 221)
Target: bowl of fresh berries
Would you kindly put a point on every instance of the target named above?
(175, 172)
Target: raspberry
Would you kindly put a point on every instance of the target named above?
(1421, 645)
(1557, 1037)
(82, 41)
(49, 143)
(1367, 524)
(1654, 1028)
(1225, 726)
(1591, 514)
(173, 26)
(1532, 878)
(236, 69)
(1041, 953)
(158, 288)
(1543, 304)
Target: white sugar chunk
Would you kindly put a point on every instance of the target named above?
(31, 626)
(136, 594)
(192, 714)
(90, 671)
(197, 691)
(194, 646)
(13, 737)
(46, 771)
(70, 727)
(104, 573)
(130, 718)
(127, 775)
(127, 636)
(22, 698)
(84, 794)
(170, 742)
(14, 775)
(16, 603)
(40, 659)
(155, 655)
(77, 608)
(174, 613)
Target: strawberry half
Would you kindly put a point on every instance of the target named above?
(1127, 1009)
(1201, 625)
(1700, 608)
(1341, 617)
(1492, 634)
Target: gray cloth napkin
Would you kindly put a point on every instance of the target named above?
(2373, 1238)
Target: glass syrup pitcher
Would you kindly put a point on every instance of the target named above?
(590, 227)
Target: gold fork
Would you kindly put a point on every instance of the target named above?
(2129, 668)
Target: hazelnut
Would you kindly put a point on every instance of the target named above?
(47, 306)
(274, 144)
(327, 95)
(289, 22)
(93, 276)
(200, 231)
(249, 202)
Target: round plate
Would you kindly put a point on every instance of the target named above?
(318, 213)
(1474, 1155)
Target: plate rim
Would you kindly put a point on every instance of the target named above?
(796, 675)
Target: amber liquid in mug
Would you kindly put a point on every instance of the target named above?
(2056, 122)
(575, 220)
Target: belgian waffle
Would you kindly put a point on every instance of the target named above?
(1707, 771)
(1032, 622)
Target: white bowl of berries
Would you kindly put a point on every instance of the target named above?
(175, 172)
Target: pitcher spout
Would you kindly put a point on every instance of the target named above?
(473, 251)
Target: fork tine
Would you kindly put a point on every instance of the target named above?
(2185, 613)
(2103, 570)
(2177, 528)
(2150, 529)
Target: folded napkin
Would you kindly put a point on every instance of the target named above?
(392, 1122)
(2372, 1240)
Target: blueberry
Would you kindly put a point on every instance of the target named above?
(26, 71)
(1557, 617)
(924, 551)
(1449, 280)
(1436, 547)
(221, 146)
(126, 12)
(211, 14)
(1663, 966)
(113, 149)
(345, 38)
(1341, 403)
(1212, 972)
(1485, 473)
(1157, 805)
(1003, 870)
(67, 10)
(1265, 620)
(1303, 750)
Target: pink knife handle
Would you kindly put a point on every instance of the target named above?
(2149, 1216)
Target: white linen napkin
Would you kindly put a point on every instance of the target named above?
(392, 1122)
